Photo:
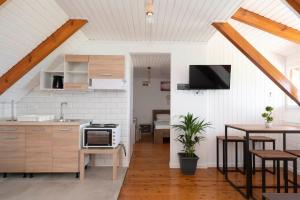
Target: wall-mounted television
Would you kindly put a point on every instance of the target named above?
(207, 77)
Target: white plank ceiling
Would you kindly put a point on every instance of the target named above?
(160, 64)
(174, 20)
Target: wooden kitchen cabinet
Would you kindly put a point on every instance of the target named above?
(12, 149)
(107, 67)
(38, 149)
(65, 149)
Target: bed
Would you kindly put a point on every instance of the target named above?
(161, 126)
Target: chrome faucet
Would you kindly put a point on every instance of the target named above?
(61, 118)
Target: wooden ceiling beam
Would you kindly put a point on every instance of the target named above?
(39, 53)
(2, 2)
(295, 4)
(259, 60)
(266, 24)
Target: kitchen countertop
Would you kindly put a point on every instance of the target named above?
(44, 123)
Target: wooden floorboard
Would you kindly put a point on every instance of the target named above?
(149, 177)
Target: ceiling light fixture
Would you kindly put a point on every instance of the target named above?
(149, 11)
(147, 83)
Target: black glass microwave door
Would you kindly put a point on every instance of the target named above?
(98, 138)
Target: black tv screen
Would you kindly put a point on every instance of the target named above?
(209, 76)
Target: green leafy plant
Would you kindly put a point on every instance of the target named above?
(191, 132)
(268, 114)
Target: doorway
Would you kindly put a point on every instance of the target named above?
(151, 97)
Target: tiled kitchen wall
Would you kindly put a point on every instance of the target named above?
(101, 106)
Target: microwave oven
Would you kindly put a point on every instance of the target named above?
(101, 135)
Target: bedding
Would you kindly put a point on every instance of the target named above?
(162, 125)
(163, 117)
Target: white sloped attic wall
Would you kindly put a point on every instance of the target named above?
(24, 25)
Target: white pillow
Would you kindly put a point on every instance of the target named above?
(163, 117)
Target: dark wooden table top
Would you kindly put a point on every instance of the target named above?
(282, 196)
(260, 128)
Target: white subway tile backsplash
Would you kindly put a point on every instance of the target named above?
(101, 106)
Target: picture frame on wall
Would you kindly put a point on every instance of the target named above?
(165, 86)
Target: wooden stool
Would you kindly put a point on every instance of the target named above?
(295, 153)
(263, 140)
(232, 139)
(277, 155)
(115, 152)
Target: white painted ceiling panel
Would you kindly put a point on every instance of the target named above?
(174, 20)
(276, 10)
(160, 64)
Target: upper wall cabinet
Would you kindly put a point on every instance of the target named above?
(107, 67)
(83, 72)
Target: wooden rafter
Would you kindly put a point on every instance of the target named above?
(259, 60)
(267, 25)
(295, 4)
(2, 2)
(39, 53)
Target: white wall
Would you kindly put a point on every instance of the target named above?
(292, 115)
(243, 103)
(146, 99)
(27, 24)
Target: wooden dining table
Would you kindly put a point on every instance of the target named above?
(248, 129)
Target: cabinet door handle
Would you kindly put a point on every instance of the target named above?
(10, 138)
(64, 129)
(8, 129)
(35, 130)
(106, 74)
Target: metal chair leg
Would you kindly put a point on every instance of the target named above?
(285, 174)
(274, 167)
(263, 176)
(295, 176)
(253, 164)
(236, 156)
(278, 176)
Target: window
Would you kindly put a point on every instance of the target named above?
(294, 76)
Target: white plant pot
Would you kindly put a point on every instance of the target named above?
(268, 124)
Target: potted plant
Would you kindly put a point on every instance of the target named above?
(267, 115)
(191, 132)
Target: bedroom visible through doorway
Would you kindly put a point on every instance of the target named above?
(151, 97)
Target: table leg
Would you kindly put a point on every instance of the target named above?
(225, 154)
(284, 141)
(115, 163)
(81, 170)
(248, 168)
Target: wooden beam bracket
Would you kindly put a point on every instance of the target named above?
(268, 25)
(259, 60)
